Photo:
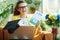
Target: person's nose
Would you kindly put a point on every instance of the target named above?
(24, 9)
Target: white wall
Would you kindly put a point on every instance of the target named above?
(48, 4)
(51, 5)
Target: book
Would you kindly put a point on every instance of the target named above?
(23, 22)
(36, 17)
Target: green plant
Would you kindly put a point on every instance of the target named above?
(53, 20)
(37, 3)
(32, 8)
(29, 1)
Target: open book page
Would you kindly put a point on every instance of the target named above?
(36, 17)
(23, 22)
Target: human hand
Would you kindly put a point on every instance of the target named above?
(38, 28)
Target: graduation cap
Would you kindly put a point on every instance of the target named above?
(12, 26)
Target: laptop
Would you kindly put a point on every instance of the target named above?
(25, 32)
(19, 32)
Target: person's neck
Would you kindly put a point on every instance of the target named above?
(23, 15)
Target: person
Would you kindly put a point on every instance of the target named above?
(21, 11)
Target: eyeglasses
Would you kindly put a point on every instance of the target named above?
(23, 7)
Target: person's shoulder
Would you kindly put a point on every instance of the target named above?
(15, 17)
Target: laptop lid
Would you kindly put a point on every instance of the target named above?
(25, 32)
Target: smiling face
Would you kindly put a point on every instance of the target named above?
(22, 8)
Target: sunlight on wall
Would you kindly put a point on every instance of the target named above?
(50, 6)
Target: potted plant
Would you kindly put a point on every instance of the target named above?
(53, 20)
(32, 9)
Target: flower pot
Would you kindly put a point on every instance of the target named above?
(54, 31)
(32, 11)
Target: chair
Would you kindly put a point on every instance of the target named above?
(3, 34)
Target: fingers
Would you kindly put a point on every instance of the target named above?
(38, 28)
(38, 23)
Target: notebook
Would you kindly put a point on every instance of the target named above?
(36, 17)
